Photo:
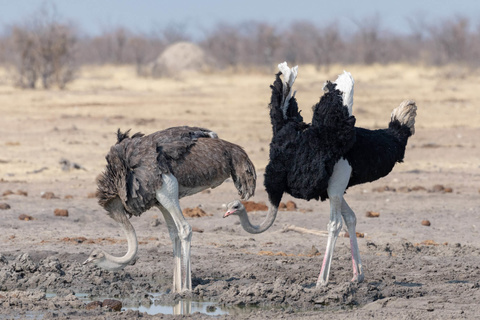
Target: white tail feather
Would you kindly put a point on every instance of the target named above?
(289, 76)
(405, 113)
(345, 84)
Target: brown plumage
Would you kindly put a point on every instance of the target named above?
(157, 170)
(198, 160)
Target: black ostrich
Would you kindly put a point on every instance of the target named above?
(158, 170)
(322, 159)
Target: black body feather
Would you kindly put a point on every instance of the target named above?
(302, 156)
(375, 152)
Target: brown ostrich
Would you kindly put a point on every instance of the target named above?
(159, 169)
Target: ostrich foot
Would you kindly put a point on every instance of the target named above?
(358, 278)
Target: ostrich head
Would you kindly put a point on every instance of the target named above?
(98, 258)
(235, 208)
(238, 209)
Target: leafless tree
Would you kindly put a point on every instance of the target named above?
(44, 50)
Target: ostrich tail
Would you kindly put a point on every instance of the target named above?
(283, 105)
(345, 84)
(405, 114)
(243, 173)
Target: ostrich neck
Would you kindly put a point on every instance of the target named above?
(267, 223)
(116, 263)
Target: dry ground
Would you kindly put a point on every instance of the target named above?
(411, 270)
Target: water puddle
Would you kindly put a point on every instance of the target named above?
(182, 307)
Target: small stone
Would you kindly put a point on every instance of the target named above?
(211, 309)
(404, 189)
(383, 188)
(4, 206)
(22, 193)
(426, 223)
(155, 223)
(61, 212)
(372, 214)
(115, 305)
(419, 188)
(312, 252)
(48, 195)
(254, 206)
(93, 305)
(8, 192)
(438, 188)
(194, 213)
(195, 229)
(291, 206)
(25, 217)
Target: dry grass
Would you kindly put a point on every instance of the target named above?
(40, 127)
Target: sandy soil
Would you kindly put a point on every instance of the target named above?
(55, 142)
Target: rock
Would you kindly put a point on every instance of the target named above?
(359, 234)
(194, 213)
(426, 223)
(49, 195)
(4, 206)
(254, 206)
(8, 192)
(372, 214)
(383, 188)
(404, 189)
(25, 217)
(61, 212)
(155, 223)
(115, 305)
(419, 188)
(22, 193)
(438, 188)
(195, 229)
(312, 252)
(291, 206)
(93, 305)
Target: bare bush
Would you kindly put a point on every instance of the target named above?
(43, 50)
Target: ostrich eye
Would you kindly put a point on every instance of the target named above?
(94, 256)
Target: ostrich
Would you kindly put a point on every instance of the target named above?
(157, 170)
(324, 158)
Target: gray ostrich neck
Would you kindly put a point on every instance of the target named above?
(267, 223)
(116, 263)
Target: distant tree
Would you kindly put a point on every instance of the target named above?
(44, 50)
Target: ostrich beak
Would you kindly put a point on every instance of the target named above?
(87, 261)
(228, 213)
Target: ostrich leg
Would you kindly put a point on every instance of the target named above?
(351, 222)
(167, 196)
(336, 187)
(173, 232)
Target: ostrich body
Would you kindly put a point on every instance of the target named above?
(322, 159)
(159, 169)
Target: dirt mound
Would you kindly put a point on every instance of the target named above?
(178, 59)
